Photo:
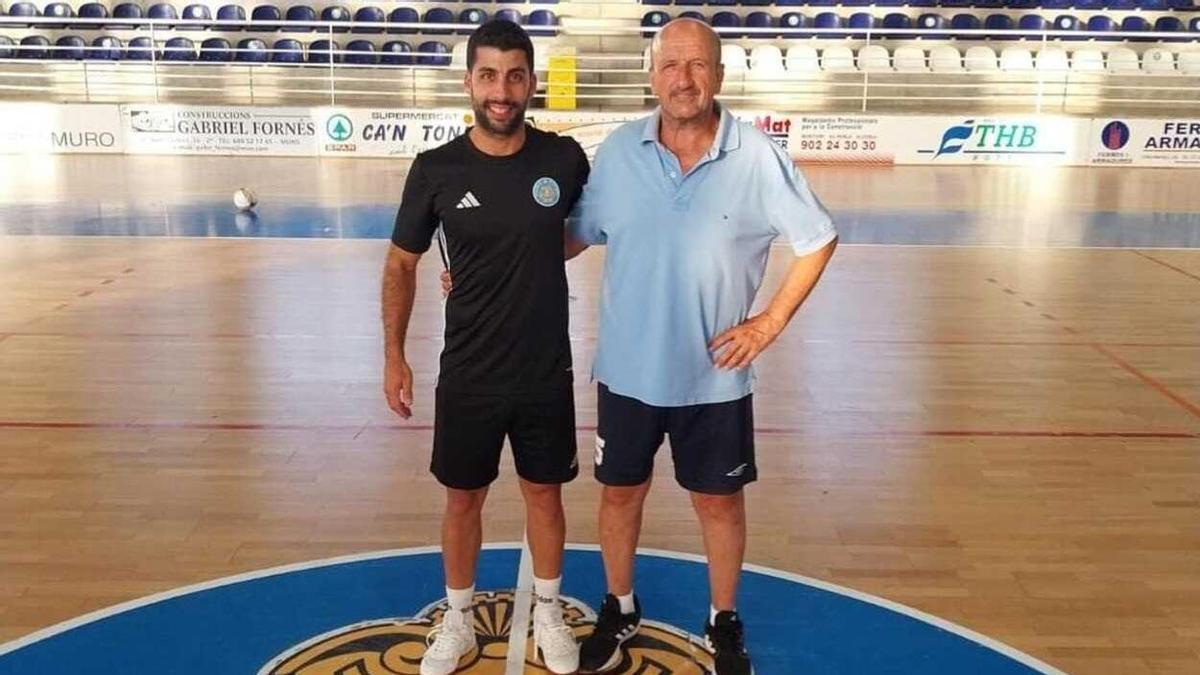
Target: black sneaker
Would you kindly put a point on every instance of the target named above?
(726, 639)
(601, 651)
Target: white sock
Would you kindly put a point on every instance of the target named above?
(712, 614)
(626, 602)
(461, 599)
(545, 592)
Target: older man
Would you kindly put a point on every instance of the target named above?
(688, 202)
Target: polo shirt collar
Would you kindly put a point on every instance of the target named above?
(728, 137)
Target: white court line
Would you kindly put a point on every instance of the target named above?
(522, 601)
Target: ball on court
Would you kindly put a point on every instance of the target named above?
(244, 199)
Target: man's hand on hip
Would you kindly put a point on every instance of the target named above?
(737, 347)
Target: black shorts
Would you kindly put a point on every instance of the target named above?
(469, 433)
(712, 444)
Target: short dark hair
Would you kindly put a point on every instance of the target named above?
(503, 35)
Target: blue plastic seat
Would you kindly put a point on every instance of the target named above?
(1001, 26)
(196, 13)
(140, 49)
(542, 22)
(34, 47)
(361, 53)
(510, 15)
(266, 13)
(1135, 24)
(932, 22)
(287, 51)
(299, 13)
(397, 53)
(438, 15)
(336, 14)
(1102, 24)
(1032, 26)
(70, 48)
(231, 13)
(1067, 22)
(179, 49)
(216, 50)
(966, 22)
(470, 19)
(369, 15)
(105, 48)
(322, 51)
(126, 10)
(6, 47)
(57, 10)
(654, 21)
(163, 14)
(403, 15)
(24, 9)
(761, 20)
(897, 21)
(793, 21)
(829, 20)
(433, 54)
(861, 21)
(1170, 24)
(251, 50)
(724, 21)
(94, 11)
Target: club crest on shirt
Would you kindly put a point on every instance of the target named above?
(395, 646)
(546, 191)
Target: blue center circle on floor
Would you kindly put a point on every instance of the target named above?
(369, 615)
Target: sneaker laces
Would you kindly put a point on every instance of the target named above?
(609, 619)
(556, 637)
(449, 639)
(729, 636)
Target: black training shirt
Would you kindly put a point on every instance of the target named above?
(503, 222)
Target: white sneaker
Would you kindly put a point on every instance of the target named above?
(555, 642)
(451, 641)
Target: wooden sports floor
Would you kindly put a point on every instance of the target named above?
(1000, 427)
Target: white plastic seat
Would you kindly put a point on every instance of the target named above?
(874, 59)
(1013, 60)
(980, 59)
(1189, 63)
(458, 57)
(1087, 61)
(733, 58)
(766, 62)
(838, 59)
(945, 59)
(1052, 60)
(802, 59)
(1122, 61)
(1158, 60)
(910, 60)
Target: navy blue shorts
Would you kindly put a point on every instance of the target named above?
(712, 444)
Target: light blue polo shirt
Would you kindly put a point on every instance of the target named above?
(686, 253)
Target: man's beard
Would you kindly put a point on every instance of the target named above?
(499, 129)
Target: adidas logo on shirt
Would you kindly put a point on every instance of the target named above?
(468, 202)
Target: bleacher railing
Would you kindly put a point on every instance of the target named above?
(604, 80)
